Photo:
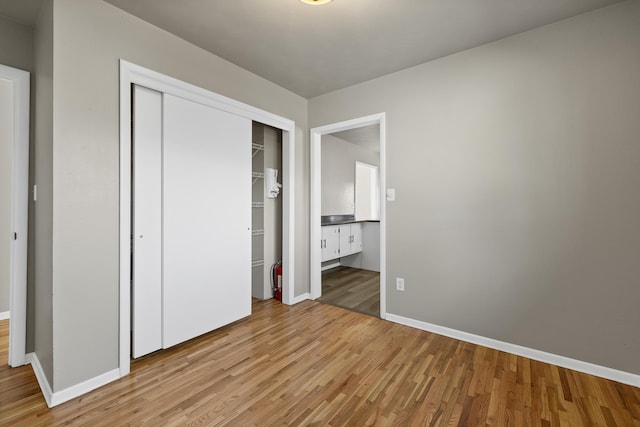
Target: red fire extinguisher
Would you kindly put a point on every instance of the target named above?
(276, 280)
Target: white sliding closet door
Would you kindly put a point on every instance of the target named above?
(206, 219)
(191, 237)
(146, 291)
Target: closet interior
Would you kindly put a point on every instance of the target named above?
(266, 209)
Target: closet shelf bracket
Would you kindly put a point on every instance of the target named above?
(255, 149)
(256, 176)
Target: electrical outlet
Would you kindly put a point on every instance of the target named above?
(399, 284)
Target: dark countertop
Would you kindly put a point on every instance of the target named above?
(348, 222)
(341, 219)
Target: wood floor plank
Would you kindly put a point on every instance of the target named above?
(316, 364)
(352, 288)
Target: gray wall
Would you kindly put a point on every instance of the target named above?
(40, 334)
(338, 162)
(16, 45)
(516, 167)
(89, 38)
(6, 155)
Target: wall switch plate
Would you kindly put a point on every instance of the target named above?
(399, 284)
(391, 194)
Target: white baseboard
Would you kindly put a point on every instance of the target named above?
(84, 387)
(301, 298)
(54, 399)
(330, 266)
(41, 377)
(542, 356)
(4, 315)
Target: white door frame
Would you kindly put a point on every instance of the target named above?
(19, 214)
(314, 220)
(135, 74)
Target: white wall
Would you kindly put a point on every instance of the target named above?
(338, 173)
(90, 36)
(516, 167)
(6, 155)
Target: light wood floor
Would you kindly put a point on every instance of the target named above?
(352, 288)
(315, 364)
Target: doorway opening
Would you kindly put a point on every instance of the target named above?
(14, 187)
(348, 215)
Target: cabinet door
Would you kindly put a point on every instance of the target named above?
(356, 238)
(345, 240)
(330, 243)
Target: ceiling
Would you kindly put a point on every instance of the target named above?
(367, 137)
(312, 50)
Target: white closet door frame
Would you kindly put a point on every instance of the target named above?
(135, 74)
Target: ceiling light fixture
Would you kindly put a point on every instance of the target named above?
(315, 2)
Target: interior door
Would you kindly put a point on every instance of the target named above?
(206, 219)
(191, 186)
(6, 186)
(146, 290)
